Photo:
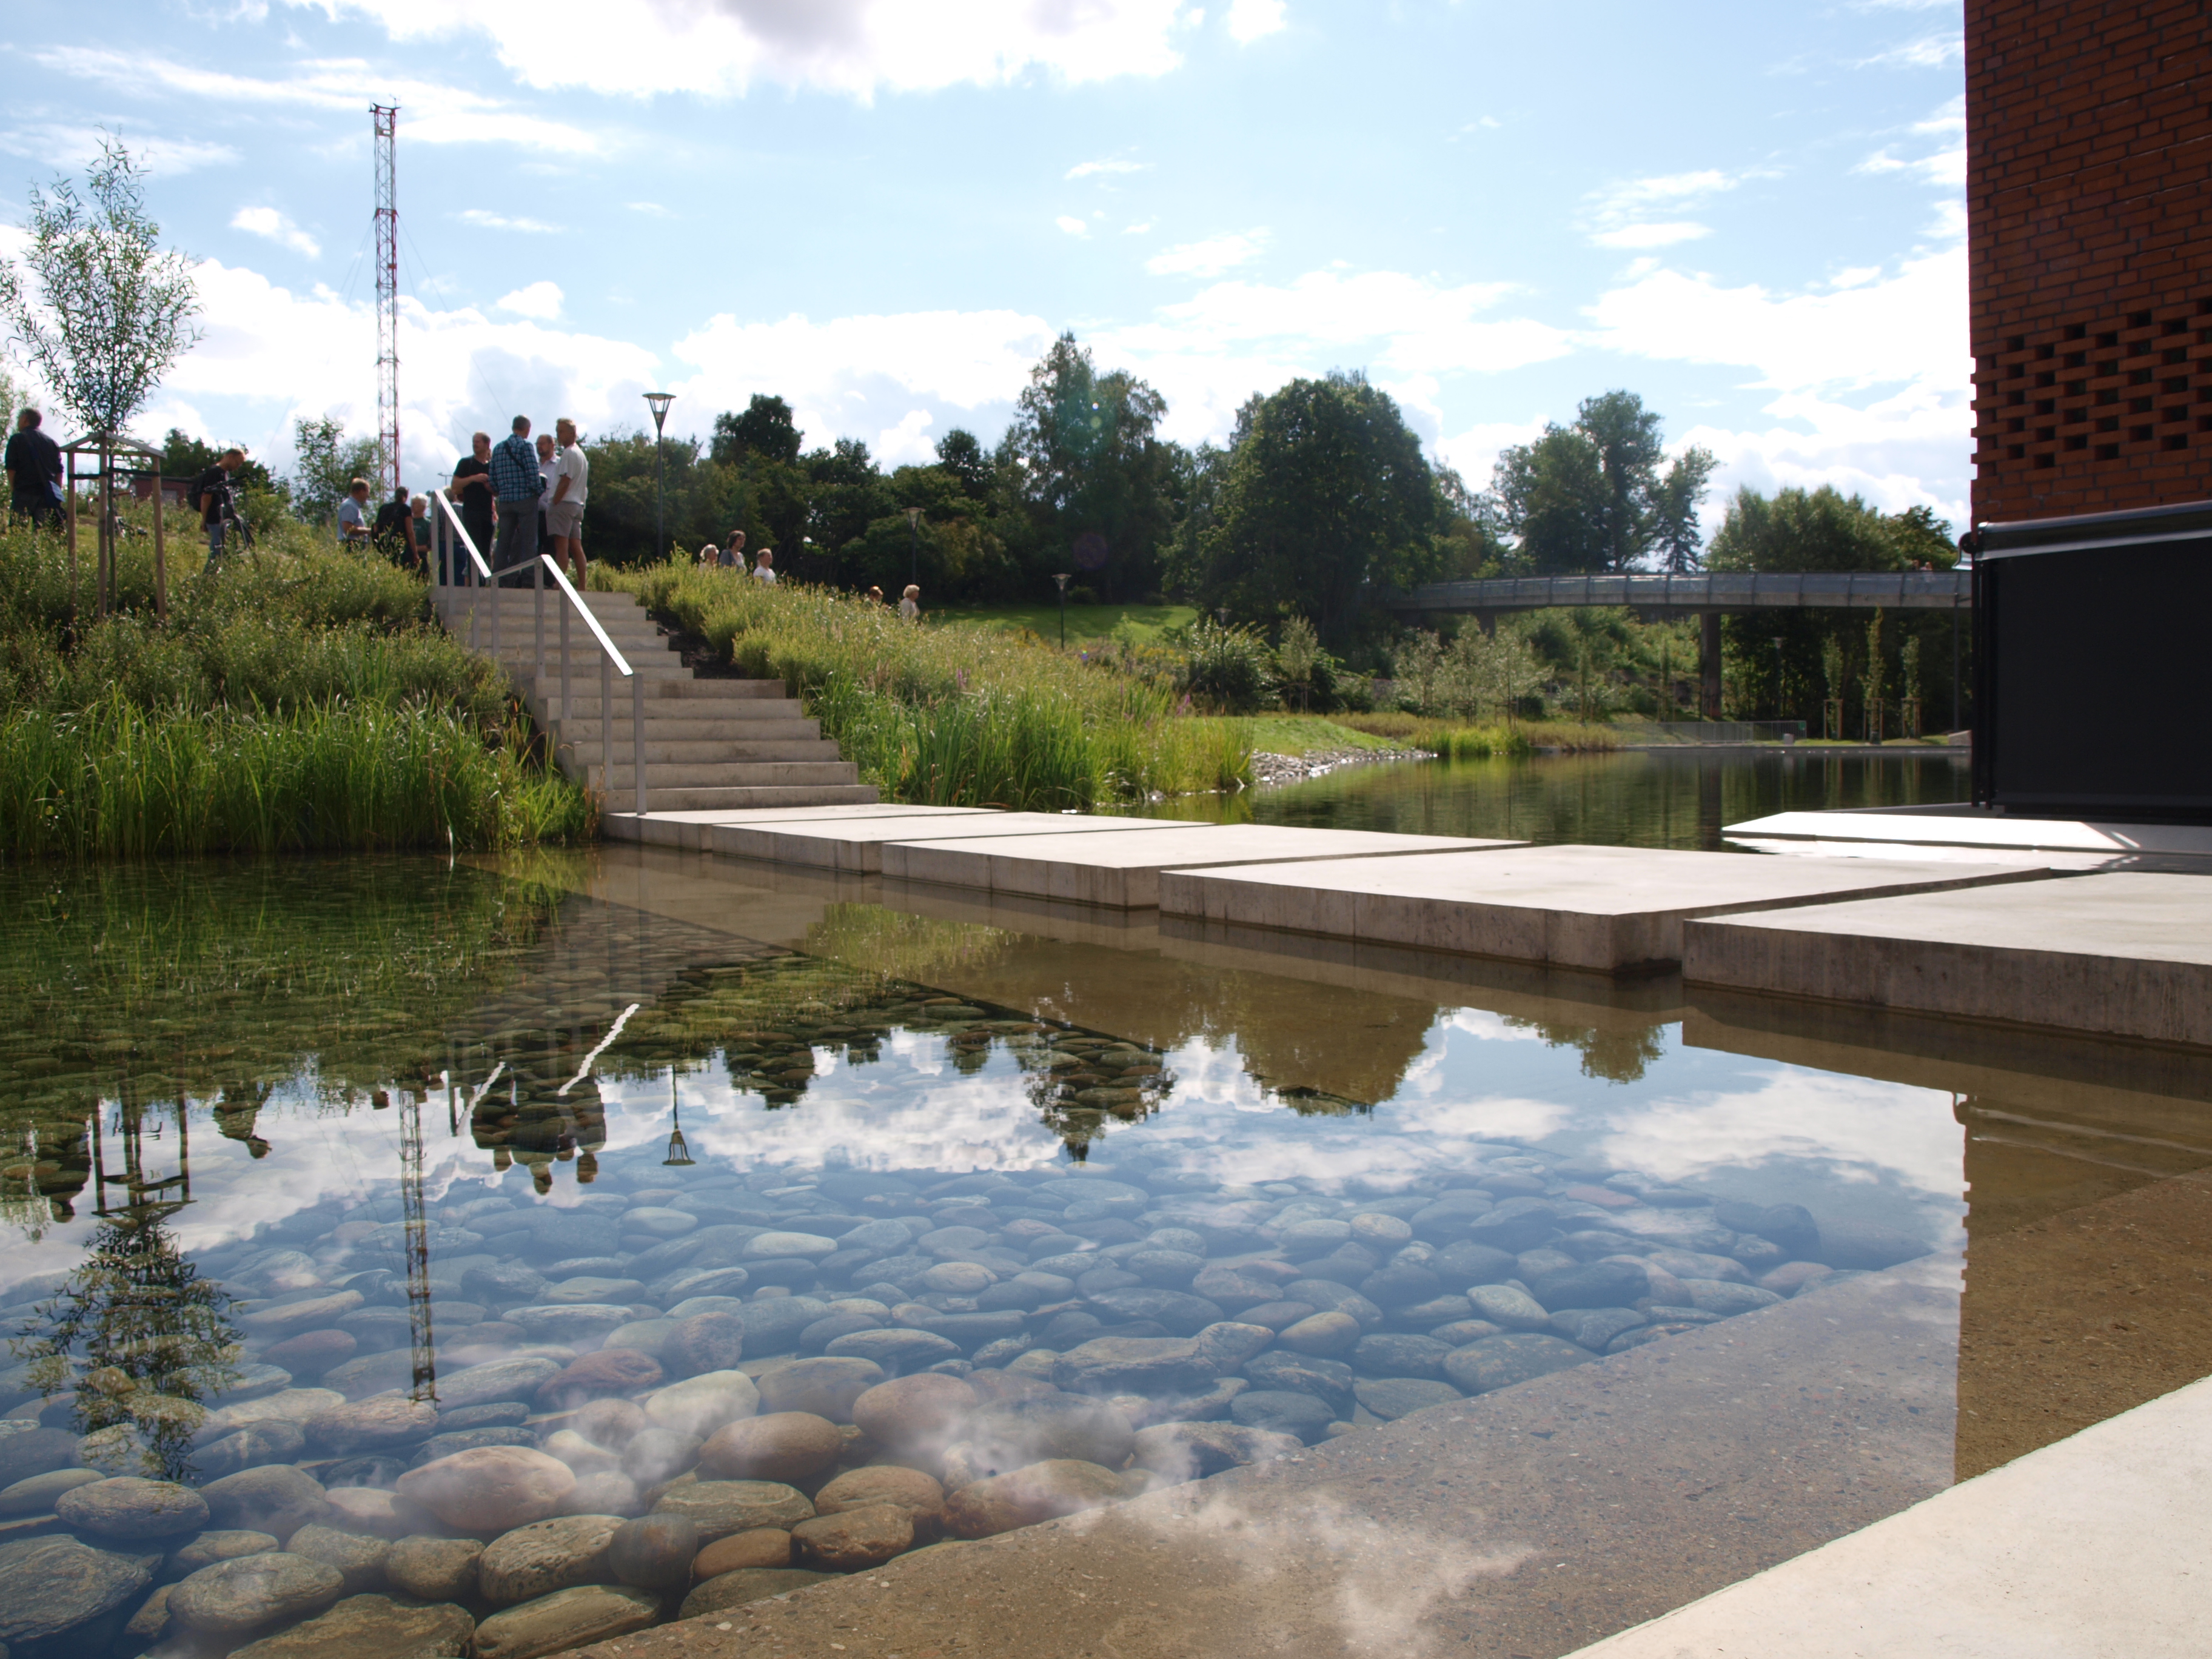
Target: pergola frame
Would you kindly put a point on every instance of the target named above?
(108, 447)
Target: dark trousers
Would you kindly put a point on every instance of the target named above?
(517, 543)
(40, 507)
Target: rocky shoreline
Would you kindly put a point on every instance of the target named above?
(1271, 770)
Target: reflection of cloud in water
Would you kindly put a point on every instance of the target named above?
(1859, 1127)
(913, 1113)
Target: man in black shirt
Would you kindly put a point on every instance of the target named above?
(35, 470)
(394, 530)
(218, 505)
(472, 495)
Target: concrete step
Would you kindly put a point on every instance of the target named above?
(698, 700)
(700, 751)
(584, 730)
(734, 799)
(714, 775)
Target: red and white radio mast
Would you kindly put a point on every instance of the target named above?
(388, 287)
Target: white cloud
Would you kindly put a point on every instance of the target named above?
(860, 48)
(1093, 169)
(1248, 20)
(1944, 168)
(1210, 258)
(268, 222)
(433, 114)
(908, 442)
(1651, 236)
(69, 148)
(1620, 215)
(540, 301)
(1474, 453)
(1138, 230)
(1072, 225)
(1930, 52)
(485, 219)
(651, 209)
(271, 354)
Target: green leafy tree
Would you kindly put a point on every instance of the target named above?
(325, 462)
(765, 430)
(185, 457)
(1326, 490)
(1592, 496)
(961, 455)
(97, 306)
(1090, 477)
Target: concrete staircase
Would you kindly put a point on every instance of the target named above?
(709, 742)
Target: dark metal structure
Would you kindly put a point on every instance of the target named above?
(2087, 631)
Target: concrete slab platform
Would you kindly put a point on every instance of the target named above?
(1611, 910)
(1122, 872)
(688, 828)
(856, 844)
(2125, 954)
(2093, 1548)
(1962, 827)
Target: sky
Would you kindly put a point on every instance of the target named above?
(883, 210)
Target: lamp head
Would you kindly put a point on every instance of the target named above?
(658, 402)
(1063, 577)
(912, 517)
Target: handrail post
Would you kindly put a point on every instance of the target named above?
(606, 724)
(637, 733)
(564, 662)
(538, 584)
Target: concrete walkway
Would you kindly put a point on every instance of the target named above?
(2098, 1547)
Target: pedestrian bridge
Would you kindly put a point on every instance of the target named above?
(1705, 593)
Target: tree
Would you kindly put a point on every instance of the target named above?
(1092, 480)
(961, 453)
(1326, 490)
(100, 309)
(185, 457)
(1591, 496)
(765, 430)
(326, 463)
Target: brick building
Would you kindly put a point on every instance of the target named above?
(2089, 205)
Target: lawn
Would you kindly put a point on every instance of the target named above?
(1085, 622)
(1310, 734)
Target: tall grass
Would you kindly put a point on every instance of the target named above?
(1454, 740)
(117, 781)
(299, 699)
(954, 715)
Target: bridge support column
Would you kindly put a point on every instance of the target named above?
(1709, 663)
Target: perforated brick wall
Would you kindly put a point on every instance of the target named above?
(2089, 204)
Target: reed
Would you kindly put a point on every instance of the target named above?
(114, 780)
(954, 714)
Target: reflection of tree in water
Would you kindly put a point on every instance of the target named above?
(767, 1018)
(1614, 1054)
(144, 1338)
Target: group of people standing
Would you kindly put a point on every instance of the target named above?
(731, 555)
(520, 499)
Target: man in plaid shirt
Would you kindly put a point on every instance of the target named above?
(516, 482)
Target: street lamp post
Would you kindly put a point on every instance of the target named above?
(1778, 704)
(913, 544)
(658, 402)
(1062, 578)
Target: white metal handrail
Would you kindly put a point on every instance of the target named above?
(611, 662)
(443, 530)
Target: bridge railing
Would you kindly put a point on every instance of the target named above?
(1706, 590)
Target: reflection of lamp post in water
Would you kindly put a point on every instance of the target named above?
(679, 1156)
(1062, 577)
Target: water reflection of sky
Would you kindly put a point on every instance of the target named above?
(1844, 1147)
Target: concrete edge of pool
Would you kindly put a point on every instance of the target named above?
(2007, 938)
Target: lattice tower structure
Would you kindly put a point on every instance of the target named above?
(386, 120)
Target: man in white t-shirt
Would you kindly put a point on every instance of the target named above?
(764, 571)
(570, 479)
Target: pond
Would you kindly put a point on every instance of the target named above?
(575, 1244)
(1637, 798)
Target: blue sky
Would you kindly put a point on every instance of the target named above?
(883, 209)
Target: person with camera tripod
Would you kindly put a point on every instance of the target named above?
(218, 505)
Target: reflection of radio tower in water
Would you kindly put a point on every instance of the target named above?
(386, 120)
(418, 1246)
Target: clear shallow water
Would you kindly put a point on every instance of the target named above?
(723, 1127)
(1645, 798)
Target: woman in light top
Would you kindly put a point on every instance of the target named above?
(734, 551)
(709, 556)
(910, 604)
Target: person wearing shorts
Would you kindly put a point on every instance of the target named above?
(564, 512)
